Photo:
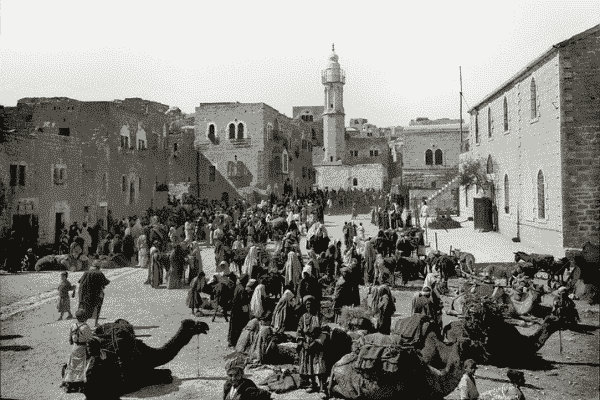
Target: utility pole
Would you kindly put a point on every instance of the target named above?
(461, 112)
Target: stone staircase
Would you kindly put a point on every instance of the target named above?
(442, 199)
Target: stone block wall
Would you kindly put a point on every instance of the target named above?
(580, 124)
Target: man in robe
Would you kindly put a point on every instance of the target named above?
(91, 292)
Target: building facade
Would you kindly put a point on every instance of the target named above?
(251, 147)
(536, 137)
(67, 160)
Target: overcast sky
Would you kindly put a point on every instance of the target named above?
(401, 58)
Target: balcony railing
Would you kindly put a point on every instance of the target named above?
(333, 75)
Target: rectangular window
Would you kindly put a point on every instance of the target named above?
(123, 183)
(64, 131)
(22, 175)
(139, 183)
(212, 172)
(13, 175)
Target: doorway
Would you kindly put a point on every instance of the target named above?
(59, 223)
(225, 197)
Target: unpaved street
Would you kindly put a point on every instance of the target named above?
(34, 345)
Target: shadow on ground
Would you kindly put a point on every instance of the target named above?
(15, 347)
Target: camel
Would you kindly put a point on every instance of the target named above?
(134, 360)
(414, 379)
(466, 260)
(522, 307)
(504, 341)
(436, 353)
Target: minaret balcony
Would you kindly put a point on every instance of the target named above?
(333, 76)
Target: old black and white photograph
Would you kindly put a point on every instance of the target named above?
(262, 200)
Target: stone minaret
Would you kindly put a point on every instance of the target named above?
(333, 79)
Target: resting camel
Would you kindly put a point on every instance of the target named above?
(504, 341)
(437, 353)
(522, 307)
(414, 379)
(136, 361)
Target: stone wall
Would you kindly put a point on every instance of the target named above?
(368, 176)
(580, 123)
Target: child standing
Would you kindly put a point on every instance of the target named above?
(64, 303)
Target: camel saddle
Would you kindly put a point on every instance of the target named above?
(413, 330)
(379, 353)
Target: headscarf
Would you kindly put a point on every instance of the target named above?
(292, 269)
(223, 268)
(251, 283)
(235, 364)
(256, 306)
(251, 261)
(307, 269)
(280, 312)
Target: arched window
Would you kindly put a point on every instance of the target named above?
(269, 132)
(284, 161)
(211, 131)
(438, 157)
(355, 182)
(231, 131)
(429, 157)
(490, 122)
(240, 132)
(490, 165)
(533, 94)
(506, 195)
(541, 195)
(505, 108)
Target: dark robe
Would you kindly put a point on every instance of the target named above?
(240, 314)
(310, 286)
(342, 295)
(91, 285)
(128, 246)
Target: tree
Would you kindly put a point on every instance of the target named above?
(472, 172)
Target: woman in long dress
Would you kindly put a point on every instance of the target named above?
(240, 311)
(310, 346)
(312, 256)
(142, 246)
(244, 342)
(282, 311)
(79, 334)
(195, 261)
(292, 270)
(257, 309)
(176, 272)
(251, 263)
(155, 271)
(384, 308)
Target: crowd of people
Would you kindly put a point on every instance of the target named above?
(267, 297)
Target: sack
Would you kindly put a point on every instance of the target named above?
(375, 358)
